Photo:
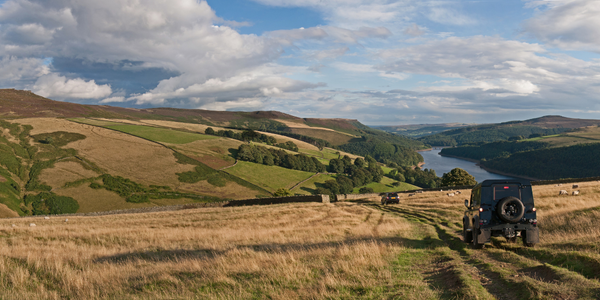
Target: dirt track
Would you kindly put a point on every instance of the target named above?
(500, 271)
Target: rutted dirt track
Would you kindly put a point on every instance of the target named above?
(502, 270)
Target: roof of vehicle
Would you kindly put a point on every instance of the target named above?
(490, 182)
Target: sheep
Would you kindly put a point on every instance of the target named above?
(575, 193)
(32, 225)
(410, 195)
(575, 186)
(563, 192)
(457, 192)
(450, 194)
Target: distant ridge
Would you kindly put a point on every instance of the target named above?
(25, 104)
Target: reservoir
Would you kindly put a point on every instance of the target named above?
(443, 164)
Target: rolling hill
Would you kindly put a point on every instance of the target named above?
(58, 157)
(486, 133)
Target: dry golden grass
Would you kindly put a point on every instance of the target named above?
(277, 252)
(312, 251)
(6, 212)
(63, 172)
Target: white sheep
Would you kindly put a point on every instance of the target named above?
(563, 192)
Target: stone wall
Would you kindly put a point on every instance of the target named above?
(345, 197)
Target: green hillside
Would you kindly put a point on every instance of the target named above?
(514, 130)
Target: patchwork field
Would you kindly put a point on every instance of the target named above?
(117, 153)
(343, 250)
(581, 136)
(268, 177)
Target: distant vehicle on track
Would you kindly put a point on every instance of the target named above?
(390, 198)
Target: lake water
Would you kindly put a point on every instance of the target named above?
(443, 164)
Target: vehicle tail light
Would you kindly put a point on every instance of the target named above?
(481, 209)
(480, 222)
(533, 209)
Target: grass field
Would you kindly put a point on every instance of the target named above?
(581, 136)
(161, 135)
(386, 186)
(268, 177)
(344, 250)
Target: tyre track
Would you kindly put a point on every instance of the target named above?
(504, 272)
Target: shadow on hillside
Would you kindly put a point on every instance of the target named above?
(177, 255)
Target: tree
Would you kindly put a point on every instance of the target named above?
(359, 162)
(282, 192)
(210, 131)
(346, 185)
(365, 190)
(458, 177)
(249, 135)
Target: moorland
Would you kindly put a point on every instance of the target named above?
(357, 249)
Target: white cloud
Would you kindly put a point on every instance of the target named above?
(55, 86)
(508, 64)
(266, 81)
(568, 24)
(17, 71)
(414, 30)
(364, 68)
(116, 99)
(179, 36)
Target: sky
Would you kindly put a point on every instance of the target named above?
(382, 62)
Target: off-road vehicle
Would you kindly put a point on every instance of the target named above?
(390, 198)
(500, 208)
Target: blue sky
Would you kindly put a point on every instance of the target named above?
(383, 62)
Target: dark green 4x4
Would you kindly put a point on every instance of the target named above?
(500, 208)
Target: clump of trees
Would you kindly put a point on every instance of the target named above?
(351, 175)
(414, 175)
(458, 177)
(247, 135)
(46, 203)
(384, 152)
(277, 157)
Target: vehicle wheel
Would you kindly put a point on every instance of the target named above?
(476, 244)
(467, 235)
(510, 209)
(524, 237)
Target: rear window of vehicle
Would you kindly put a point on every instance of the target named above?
(506, 190)
(393, 195)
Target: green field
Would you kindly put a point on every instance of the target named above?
(161, 135)
(386, 186)
(268, 177)
(93, 122)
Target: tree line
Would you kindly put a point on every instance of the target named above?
(250, 135)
